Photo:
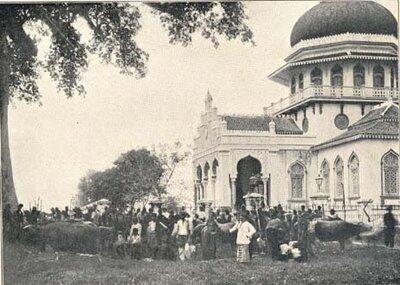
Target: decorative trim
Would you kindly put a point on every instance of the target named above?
(342, 57)
(354, 197)
(297, 200)
(373, 38)
(390, 197)
(353, 138)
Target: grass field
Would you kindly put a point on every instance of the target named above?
(356, 265)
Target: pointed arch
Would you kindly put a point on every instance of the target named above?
(206, 170)
(215, 167)
(337, 75)
(301, 81)
(199, 173)
(354, 175)
(325, 171)
(297, 173)
(378, 76)
(293, 85)
(246, 167)
(316, 76)
(359, 75)
(338, 168)
(390, 173)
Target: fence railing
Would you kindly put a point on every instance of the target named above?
(323, 91)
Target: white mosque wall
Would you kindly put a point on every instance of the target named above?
(369, 153)
(321, 120)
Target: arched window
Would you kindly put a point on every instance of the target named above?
(199, 173)
(337, 75)
(316, 76)
(206, 170)
(394, 83)
(359, 75)
(301, 81)
(297, 180)
(339, 186)
(293, 85)
(325, 176)
(215, 168)
(390, 173)
(378, 76)
(354, 175)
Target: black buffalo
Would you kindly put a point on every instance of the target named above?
(70, 236)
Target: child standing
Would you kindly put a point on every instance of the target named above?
(119, 245)
(136, 241)
(244, 234)
(151, 237)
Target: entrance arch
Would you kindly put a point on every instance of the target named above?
(246, 168)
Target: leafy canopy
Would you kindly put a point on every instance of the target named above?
(136, 176)
(113, 29)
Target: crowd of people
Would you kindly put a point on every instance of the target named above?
(161, 233)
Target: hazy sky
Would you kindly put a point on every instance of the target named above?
(53, 145)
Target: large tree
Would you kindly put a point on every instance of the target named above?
(113, 30)
(136, 176)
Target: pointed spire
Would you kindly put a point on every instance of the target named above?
(208, 101)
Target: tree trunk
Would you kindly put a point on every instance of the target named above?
(8, 190)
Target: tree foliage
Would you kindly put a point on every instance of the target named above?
(135, 176)
(113, 29)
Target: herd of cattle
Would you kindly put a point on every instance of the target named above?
(86, 237)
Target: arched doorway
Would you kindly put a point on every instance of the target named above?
(246, 167)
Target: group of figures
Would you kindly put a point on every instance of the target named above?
(159, 233)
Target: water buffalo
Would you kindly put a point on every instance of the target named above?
(70, 236)
(337, 230)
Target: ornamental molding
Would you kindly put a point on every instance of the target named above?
(342, 57)
(354, 138)
(372, 38)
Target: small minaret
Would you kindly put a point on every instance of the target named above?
(208, 101)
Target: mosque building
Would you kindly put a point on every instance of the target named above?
(333, 140)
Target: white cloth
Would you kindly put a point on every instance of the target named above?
(136, 239)
(136, 226)
(151, 228)
(181, 228)
(245, 232)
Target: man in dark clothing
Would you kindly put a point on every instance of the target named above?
(65, 213)
(34, 216)
(57, 212)
(390, 227)
(18, 219)
(277, 232)
(209, 240)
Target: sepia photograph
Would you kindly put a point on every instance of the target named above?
(191, 142)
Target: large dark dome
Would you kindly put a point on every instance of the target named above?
(337, 17)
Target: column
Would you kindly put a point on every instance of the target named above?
(265, 194)
(213, 182)
(348, 74)
(205, 187)
(195, 192)
(387, 75)
(233, 189)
